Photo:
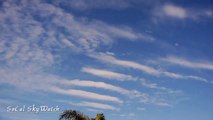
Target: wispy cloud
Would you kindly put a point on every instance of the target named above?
(141, 108)
(178, 12)
(132, 94)
(107, 74)
(27, 39)
(95, 110)
(174, 11)
(123, 77)
(18, 116)
(103, 4)
(91, 105)
(138, 66)
(124, 63)
(33, 35)
(128, 115)
(5, 102)
(85, 94)
(179, 76)
(189, 63)
(49, 83)
(36, 36)
(102, 85)
(106, 86)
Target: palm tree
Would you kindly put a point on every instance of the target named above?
(72, 115)
(100, 117)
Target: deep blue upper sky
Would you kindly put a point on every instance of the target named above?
(130, 59)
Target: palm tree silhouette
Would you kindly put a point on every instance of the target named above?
(76, 115)
(72, 115)
(100, 117)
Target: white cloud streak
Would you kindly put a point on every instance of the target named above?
(138, 66)
(128, 115)
(107, 74)
(106, 86)
(102, 85)
(188, 63)
(178, 12)
(124, 63)
(85, 94)
(132, 94)
(123, 77)
(91, 105)
(49, 83)
(53, 84)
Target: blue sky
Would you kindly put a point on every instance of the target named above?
(130, 59)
